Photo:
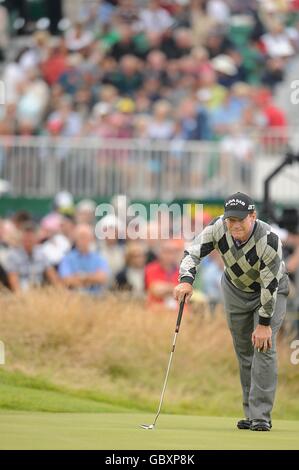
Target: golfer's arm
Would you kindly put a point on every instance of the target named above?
(201, 247)
(14, 282)
(269, 276)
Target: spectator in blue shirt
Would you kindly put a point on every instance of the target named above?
(82, 268)
(194, 119)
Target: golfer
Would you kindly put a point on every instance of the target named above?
(255, 289)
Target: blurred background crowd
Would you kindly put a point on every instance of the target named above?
(70, 248)
(181, 70)
(157, 69)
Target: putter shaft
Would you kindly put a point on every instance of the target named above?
(177, 329)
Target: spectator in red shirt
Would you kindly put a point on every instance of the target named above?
(273, 119)
(161, 275)
(56, 63)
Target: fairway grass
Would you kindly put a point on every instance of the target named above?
(118, 431)
(84, 374)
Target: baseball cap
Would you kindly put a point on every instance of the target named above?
(238, 205)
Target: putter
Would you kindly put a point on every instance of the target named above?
(178, 323)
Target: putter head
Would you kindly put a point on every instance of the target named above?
(147, 426)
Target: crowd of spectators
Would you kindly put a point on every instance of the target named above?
(65, 249)
(182, 69)
(176, 70)
(71, 248)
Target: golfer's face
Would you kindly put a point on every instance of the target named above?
(240, 229)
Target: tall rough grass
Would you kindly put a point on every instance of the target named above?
(118, 350)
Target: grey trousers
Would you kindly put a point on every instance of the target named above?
(258, 370)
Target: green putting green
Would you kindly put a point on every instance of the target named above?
(36, 430)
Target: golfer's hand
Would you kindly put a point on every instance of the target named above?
(261, 338)
(184, 288)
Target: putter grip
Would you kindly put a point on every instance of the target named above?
(181, 309)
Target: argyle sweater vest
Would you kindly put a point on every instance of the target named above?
(255, 266)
